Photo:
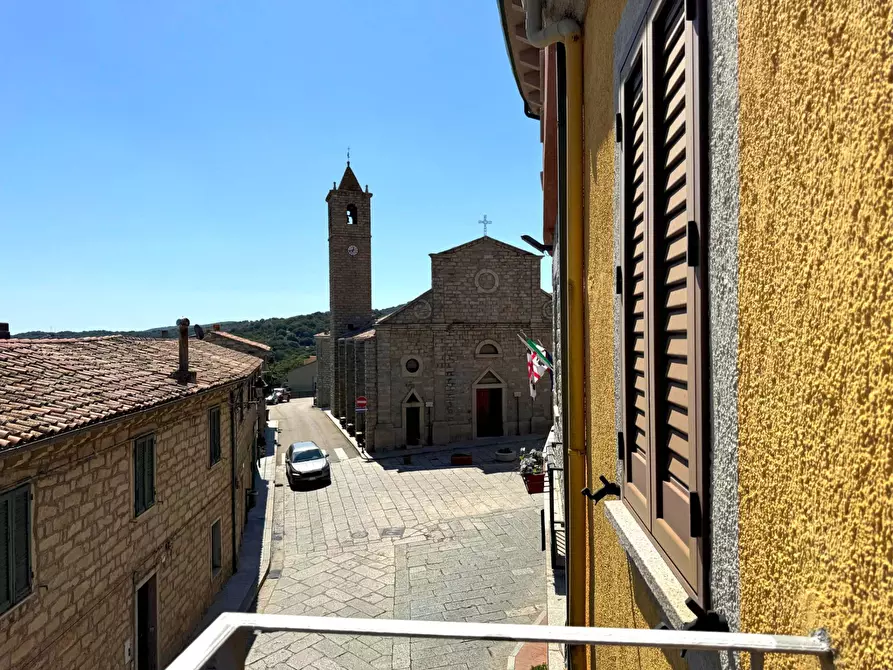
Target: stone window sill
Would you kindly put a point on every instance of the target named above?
(663, 584)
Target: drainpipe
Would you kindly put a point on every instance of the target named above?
(570, 82)
(232, 485)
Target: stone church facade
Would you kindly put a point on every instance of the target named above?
(446, 367)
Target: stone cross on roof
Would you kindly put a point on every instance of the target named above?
(484, 222)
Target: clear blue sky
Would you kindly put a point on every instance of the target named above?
(170, 158)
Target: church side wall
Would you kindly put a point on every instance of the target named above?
(324, 372)
(371, 381)
(350, 392)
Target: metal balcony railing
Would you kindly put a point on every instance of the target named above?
(225, 642)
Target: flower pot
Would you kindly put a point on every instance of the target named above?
(460, 459)
(534, 483)
(505, 455)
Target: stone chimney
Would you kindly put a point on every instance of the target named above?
(164, 334)
(4, 331)
(182, 373)
(216, 327)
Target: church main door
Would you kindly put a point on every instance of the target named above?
(489, 412)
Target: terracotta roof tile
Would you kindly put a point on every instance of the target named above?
(53, 386)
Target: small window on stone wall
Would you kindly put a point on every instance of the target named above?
(351, 214)
(487, 349)
(412, 365)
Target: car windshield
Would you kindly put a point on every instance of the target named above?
(308, 455)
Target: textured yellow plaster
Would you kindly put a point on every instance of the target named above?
(619, 598)
(816, 324)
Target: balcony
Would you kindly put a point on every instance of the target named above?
(224, 644)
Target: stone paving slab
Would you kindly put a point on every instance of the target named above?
(468, 549)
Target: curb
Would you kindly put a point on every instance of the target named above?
(510, 662)
(421, 451)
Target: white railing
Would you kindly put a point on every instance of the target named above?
(225, 641)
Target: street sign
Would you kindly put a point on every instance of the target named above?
(359, 410)
(361, 402)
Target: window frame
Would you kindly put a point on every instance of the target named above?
(18, 594)
(215, 448)
(641, 46)
(142, 504)
(480, 353)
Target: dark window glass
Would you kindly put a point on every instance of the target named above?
(214, 433)
(143, 474)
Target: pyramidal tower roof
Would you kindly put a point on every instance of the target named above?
(349, 181)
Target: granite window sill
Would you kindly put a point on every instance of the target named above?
(668, 592)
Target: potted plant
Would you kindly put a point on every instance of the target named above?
(531, 469)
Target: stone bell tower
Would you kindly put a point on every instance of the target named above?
(350, 272)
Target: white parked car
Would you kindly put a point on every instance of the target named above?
(306, 462)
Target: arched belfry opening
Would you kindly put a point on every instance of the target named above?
(351, 214)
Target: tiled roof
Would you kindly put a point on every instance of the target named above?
(323, 334)
(309, 360)
(365, 335)
(236, 338)
(48, 387)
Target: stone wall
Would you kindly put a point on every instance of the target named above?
(324, 374)
(371, 378)
(487, 282)
(89, 552)
(448, 370)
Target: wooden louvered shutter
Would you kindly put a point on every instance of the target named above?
(635, 279)
(21, 542)
(5, 555)
(677, 282)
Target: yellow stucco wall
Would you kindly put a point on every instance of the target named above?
(617, 598)
(816, 324)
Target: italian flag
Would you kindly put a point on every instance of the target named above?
(537, 363)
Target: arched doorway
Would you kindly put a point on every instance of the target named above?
(413, 419)
(488, 405)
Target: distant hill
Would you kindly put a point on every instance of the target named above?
(291, 337)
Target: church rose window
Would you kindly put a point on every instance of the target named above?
(412, 365)
(486, 281)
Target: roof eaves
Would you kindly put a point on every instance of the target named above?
(528, 112)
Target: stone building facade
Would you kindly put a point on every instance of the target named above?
(118, 580)
(448, 366)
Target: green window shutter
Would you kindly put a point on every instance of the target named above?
(5, 555)
(21, 542)
(138, 479)
(150, 471)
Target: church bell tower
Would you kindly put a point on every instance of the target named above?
(350, 268)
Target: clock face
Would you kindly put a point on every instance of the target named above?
(352, 250)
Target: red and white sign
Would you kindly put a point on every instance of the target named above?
(361, 402)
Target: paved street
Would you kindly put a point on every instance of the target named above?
(422, 541)
(299, 421)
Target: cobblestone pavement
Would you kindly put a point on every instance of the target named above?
(422, 541)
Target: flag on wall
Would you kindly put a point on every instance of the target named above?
(535, 370)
